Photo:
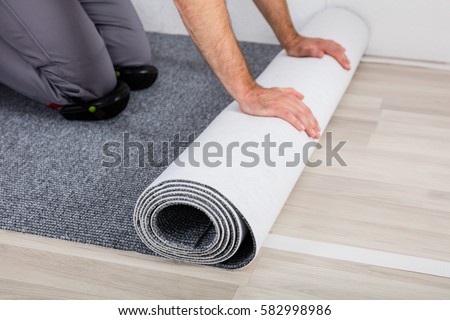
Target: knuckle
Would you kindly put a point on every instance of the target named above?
(285, 114)
(298, 124)
(302, 110)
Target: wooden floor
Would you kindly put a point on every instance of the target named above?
(394, 196)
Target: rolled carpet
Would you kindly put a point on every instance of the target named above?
(219, 212)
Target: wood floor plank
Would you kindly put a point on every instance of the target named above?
(19, 290)
(382, 192)
(359, 107)
(361, 232)
(380, 165)
(398, 74)
(369, 214)
(298, 276)
(419, 148)
(85, 276)
(419, 105)
(400, 81)
(356, 133)
(127, 259)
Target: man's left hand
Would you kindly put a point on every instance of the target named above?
(316, 47)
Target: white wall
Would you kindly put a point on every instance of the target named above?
(409, 29)
(249, 25)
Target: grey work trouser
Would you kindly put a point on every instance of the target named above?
(54, 50)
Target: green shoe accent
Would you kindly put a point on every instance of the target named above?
(117, 74)
(103, 108)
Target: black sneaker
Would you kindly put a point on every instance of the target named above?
(138, 77)
(104, 108)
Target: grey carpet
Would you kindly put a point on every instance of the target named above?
(52, 182)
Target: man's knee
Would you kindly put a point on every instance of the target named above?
(89, 78)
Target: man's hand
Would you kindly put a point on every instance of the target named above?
(284, 103)
(315, 47)
(276, 13)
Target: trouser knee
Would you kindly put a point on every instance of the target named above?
(89, 78)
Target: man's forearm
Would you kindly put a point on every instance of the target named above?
(209, 26)
(276, 13)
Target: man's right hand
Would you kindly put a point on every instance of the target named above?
(284, 103)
